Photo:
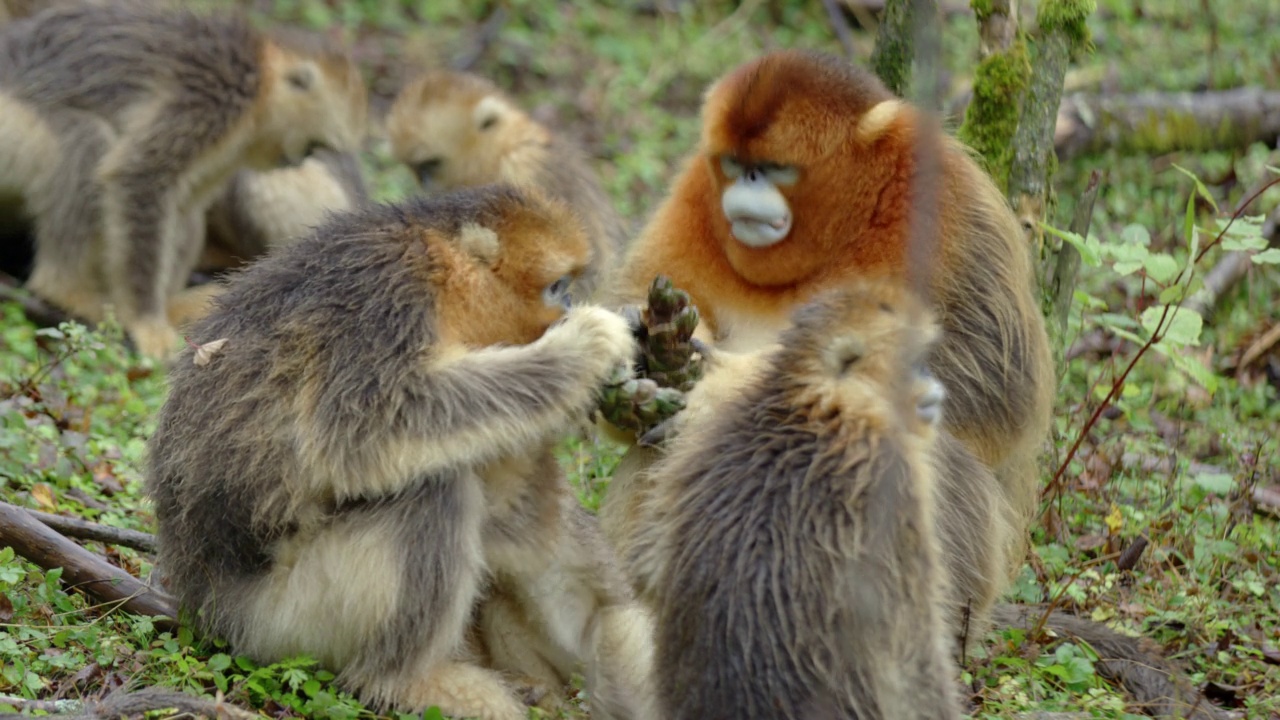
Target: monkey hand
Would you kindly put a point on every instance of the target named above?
(670, 357)
(597, 335)
(638, 404)
(154, 337)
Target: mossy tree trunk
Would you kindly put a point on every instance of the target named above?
(893, 54)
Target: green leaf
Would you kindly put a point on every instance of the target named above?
(1089, 248)
(1216, 483)
(219, 662)
(1189, 225)
(1161, 267)
(1196, 370)
(433, 713)
(1200, 188)
(1181, 325)
(1244, 244)
(1172, 294)
(1267, 257)
(311, 687)
(1136, 234)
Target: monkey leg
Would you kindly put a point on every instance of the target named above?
(66, 205)
(569, 583)
(516, 647)
(462, 689)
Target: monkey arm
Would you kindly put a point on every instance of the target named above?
(146, 180)
(470, 408)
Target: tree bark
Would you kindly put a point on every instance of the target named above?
(892, 56)
(1061, 277)
(80, 568)
(84, 530)
(997, 27)
(1033, 141)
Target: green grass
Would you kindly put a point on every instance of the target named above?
(1172, 461)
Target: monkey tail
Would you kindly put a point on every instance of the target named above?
(1156, 685)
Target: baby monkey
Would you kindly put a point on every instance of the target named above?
(369, 455)
(792, 558)
(459, 130)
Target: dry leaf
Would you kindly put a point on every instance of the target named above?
(44, 496)
(6, 608)
(205, 352)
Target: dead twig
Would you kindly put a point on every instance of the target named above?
(79, 529)
(37, 311)
(82, 569)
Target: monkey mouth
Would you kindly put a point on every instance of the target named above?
(759, 232)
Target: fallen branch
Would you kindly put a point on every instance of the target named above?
(37, 311)
(1158, 123)
(84, 530)
(148, 702)
(80, 568)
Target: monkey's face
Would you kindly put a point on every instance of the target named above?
(795, 166)
(865, 349)
(521, 268)
(312, 104)
(453, 130)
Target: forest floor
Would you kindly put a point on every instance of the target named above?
(1184, 456)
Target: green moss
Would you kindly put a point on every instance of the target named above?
(1068, 16)
(982, 8)
(892, 56)
(991, 119)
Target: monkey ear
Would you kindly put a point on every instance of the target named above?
(488, 112)
(481, 242)
(302, 77)
(843, 353)
(879, 119)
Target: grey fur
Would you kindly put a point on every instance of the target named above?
(151, 109)
(331, 375)
(801, 574)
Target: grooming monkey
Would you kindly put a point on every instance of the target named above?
(265, 209)
(801, 183)
(121, 122)
(371, 451)
(790, 550)
(457, 130)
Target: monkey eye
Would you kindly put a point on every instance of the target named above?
(730, 166)
(488, 122)
(313, 147)
(557, 293)
(780, 174)
(427, 169)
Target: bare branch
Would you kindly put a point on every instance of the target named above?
(80, 568)
(84, 530)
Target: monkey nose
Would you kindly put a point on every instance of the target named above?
(929, 405)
